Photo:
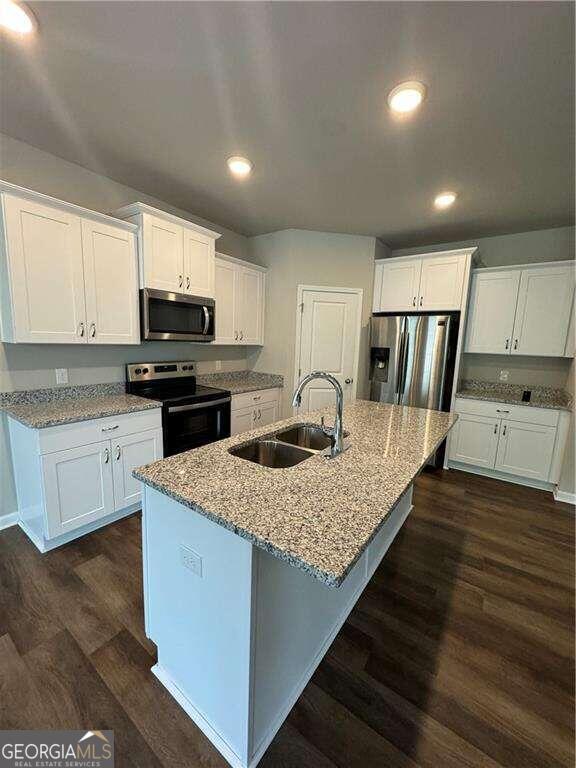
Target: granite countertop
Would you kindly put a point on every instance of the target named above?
(44, 408)
(319, 515)
(238, 382)
(541, 397)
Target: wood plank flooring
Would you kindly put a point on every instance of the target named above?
(458, 654)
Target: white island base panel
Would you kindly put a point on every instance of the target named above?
(239, 631)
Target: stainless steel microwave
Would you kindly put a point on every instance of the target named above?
(167, 316)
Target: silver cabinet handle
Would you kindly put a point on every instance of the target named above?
(507, 344)
(515, 343)
(348, 381)
(180, 281)
(118, 453)
(187, 283)
(414, 301)
(257, 397)
(81, 329)
(254, 417)
(235, 335)
(110, 429)
(259, 414)
(106, 455)
(421, 299)
(495, 429)
(504, 432)
(92, 330)
(500, 410)
(241, 335)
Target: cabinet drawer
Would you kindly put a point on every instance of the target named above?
(85, 432)
(544, 416)
(247, 399)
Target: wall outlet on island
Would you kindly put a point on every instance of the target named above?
(61, 375)
(503, 375)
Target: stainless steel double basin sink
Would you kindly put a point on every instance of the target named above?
(287, 447)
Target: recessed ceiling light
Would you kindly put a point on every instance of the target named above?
(406, 97)
(239, 166)
(16, 17)
(444, 200)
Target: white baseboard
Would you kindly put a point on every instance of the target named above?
(568, 498)
(504, 476)
(6, 521)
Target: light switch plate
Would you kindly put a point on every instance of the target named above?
(504, 375)
(61, 375)
(191, 560)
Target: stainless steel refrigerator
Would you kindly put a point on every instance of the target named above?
(412, 360)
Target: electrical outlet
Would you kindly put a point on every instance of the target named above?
(61, 375)
(191, 560)
(503, 375)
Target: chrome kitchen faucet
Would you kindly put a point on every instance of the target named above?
(338, 445)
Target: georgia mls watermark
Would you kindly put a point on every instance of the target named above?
(56, 749)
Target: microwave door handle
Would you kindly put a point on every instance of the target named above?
(206, 321)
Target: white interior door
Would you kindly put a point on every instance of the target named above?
(400, 285)
(198, 264)
(163, 254)
(226, 300)
(111, 276)
(543, 311)
(492, 305)
(128, 453)
(329, 339)
(47, 274)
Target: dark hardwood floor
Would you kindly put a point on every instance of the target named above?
(458, 654)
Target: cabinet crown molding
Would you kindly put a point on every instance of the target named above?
(134, 209)
(64, 205)
(241, 262)
(432, 254)
(520, 267)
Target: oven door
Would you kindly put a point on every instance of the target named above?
(170, 316)
(195, 424)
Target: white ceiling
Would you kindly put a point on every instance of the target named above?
(158, 94)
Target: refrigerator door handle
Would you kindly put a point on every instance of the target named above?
(405, 363)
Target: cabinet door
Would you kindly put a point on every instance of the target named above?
(400, 285)
(570, 338)
(543, 311)
(475, 440)
(492, 308)
(44, 248)
(163, 254)
(198, 264)
(111, 280)
(441, 282)
(526, 449)
(250, 306)
(377, 292)
(242, 420)
(77, 486)
(227, 278)
(128, 453)
(266, 414)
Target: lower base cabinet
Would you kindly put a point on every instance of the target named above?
(251, 410)
(69, 480)
(521, 441)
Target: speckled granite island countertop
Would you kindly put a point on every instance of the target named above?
(321, 514)
(42, 408)
(541, 397)
(238, 382)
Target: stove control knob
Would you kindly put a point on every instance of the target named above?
(184, 367)
(144, 370)
(138, 371)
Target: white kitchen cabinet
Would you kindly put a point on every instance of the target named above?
(400, 285)
(111, 284)
(242, 420)
(69, 275)
(569, 349)
(475, 440)
(522, 310)
(240, 295)
(491, 312)
(525, 449)
(175, 254)
(543, 312)
(267, 414)
(423, 282)
(128, 453)
(78, 486)
(73, 478)
(250, 410)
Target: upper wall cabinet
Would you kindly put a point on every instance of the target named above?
(240, 290)
(424, 282)
(175, 254)
(68, 275)
(521, 311)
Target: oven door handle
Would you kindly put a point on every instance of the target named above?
(206, 321)
(197, 406)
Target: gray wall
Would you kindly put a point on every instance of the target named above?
(297, 257)
(29, 366)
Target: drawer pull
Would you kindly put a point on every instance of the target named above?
(257, 397)
(500, 410)
(110, 429)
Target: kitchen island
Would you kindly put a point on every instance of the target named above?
(250, 571)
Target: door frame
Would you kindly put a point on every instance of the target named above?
(298, 342)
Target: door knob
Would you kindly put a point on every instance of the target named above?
(348, 381)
